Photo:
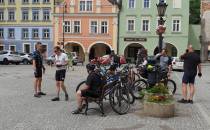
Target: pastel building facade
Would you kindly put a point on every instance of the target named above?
(138, 23)
(25, 22)
(88, 27)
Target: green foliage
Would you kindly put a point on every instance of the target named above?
(194, 11)
(165, 101)
(158, 89)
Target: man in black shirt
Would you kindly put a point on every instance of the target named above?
(38, 67)
(92, 88)
(192, 62)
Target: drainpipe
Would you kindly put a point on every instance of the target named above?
(118, 31)
(117, 3)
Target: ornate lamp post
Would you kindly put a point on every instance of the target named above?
(161, 7)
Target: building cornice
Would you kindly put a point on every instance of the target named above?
(85, 14)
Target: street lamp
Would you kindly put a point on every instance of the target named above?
(161, 7)
(119, 5)
(63, 24)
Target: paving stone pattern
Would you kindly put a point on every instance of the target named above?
(19, 110)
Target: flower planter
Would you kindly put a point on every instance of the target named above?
(163, 110)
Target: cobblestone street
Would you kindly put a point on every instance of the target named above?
(19, 110)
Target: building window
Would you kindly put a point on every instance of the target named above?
(25, 33)
(46, 1)
(1, 15)
(1, 33)
(1, 1)
(77, 27)
(25, 1)
(177, 4)
(176, 25)
(86, 5)
(94, 27)
(35, 33)
(89, 5)
(46, 33)
(104, 27)
(131, 4)
(12, 48)
(67, 27)
(46, 15)
(35, 1)
(11, 1)
(25, 15)
(27, 48)
(11, 33)
(35, 15)
(1, 48)
(131, 25)
(145, 25)
(146, 3)
(11, 15)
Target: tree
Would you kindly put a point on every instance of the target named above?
(195, 12)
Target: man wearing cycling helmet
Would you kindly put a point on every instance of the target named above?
(92, 88)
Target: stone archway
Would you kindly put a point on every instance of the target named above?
(171, 50)
(98, 50)
(76, 47)
(131, 50)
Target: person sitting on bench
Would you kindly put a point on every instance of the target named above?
(92, 89)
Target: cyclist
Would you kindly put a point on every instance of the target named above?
(38, 69)
(61, 61)
(165, 62)
(92, 88)
(114, 59)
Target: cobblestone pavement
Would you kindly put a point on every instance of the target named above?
(20, 110)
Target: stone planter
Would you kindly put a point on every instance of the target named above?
(163, 110)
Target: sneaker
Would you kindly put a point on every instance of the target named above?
(37, 95)
(41, 93)
(55, 99)
(66, 97)
(77, 111)
(182, 101)
(190, 101)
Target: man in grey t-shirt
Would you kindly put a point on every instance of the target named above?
(165, 61)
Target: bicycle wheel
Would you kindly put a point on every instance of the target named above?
(171, 85)
(137, 87)
(119, 100)
(81, 85)
(132, 98)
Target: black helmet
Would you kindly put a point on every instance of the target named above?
(90, 66)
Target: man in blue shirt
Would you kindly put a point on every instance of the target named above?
(38, 67)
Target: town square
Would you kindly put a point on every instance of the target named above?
(104, 64)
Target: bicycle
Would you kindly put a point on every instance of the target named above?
(118, 94)
(156, 75)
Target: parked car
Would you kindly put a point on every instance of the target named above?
(177, 64)
(26, 58)
(7, 57)
(50, 60)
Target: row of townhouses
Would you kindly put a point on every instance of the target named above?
(93, 27)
